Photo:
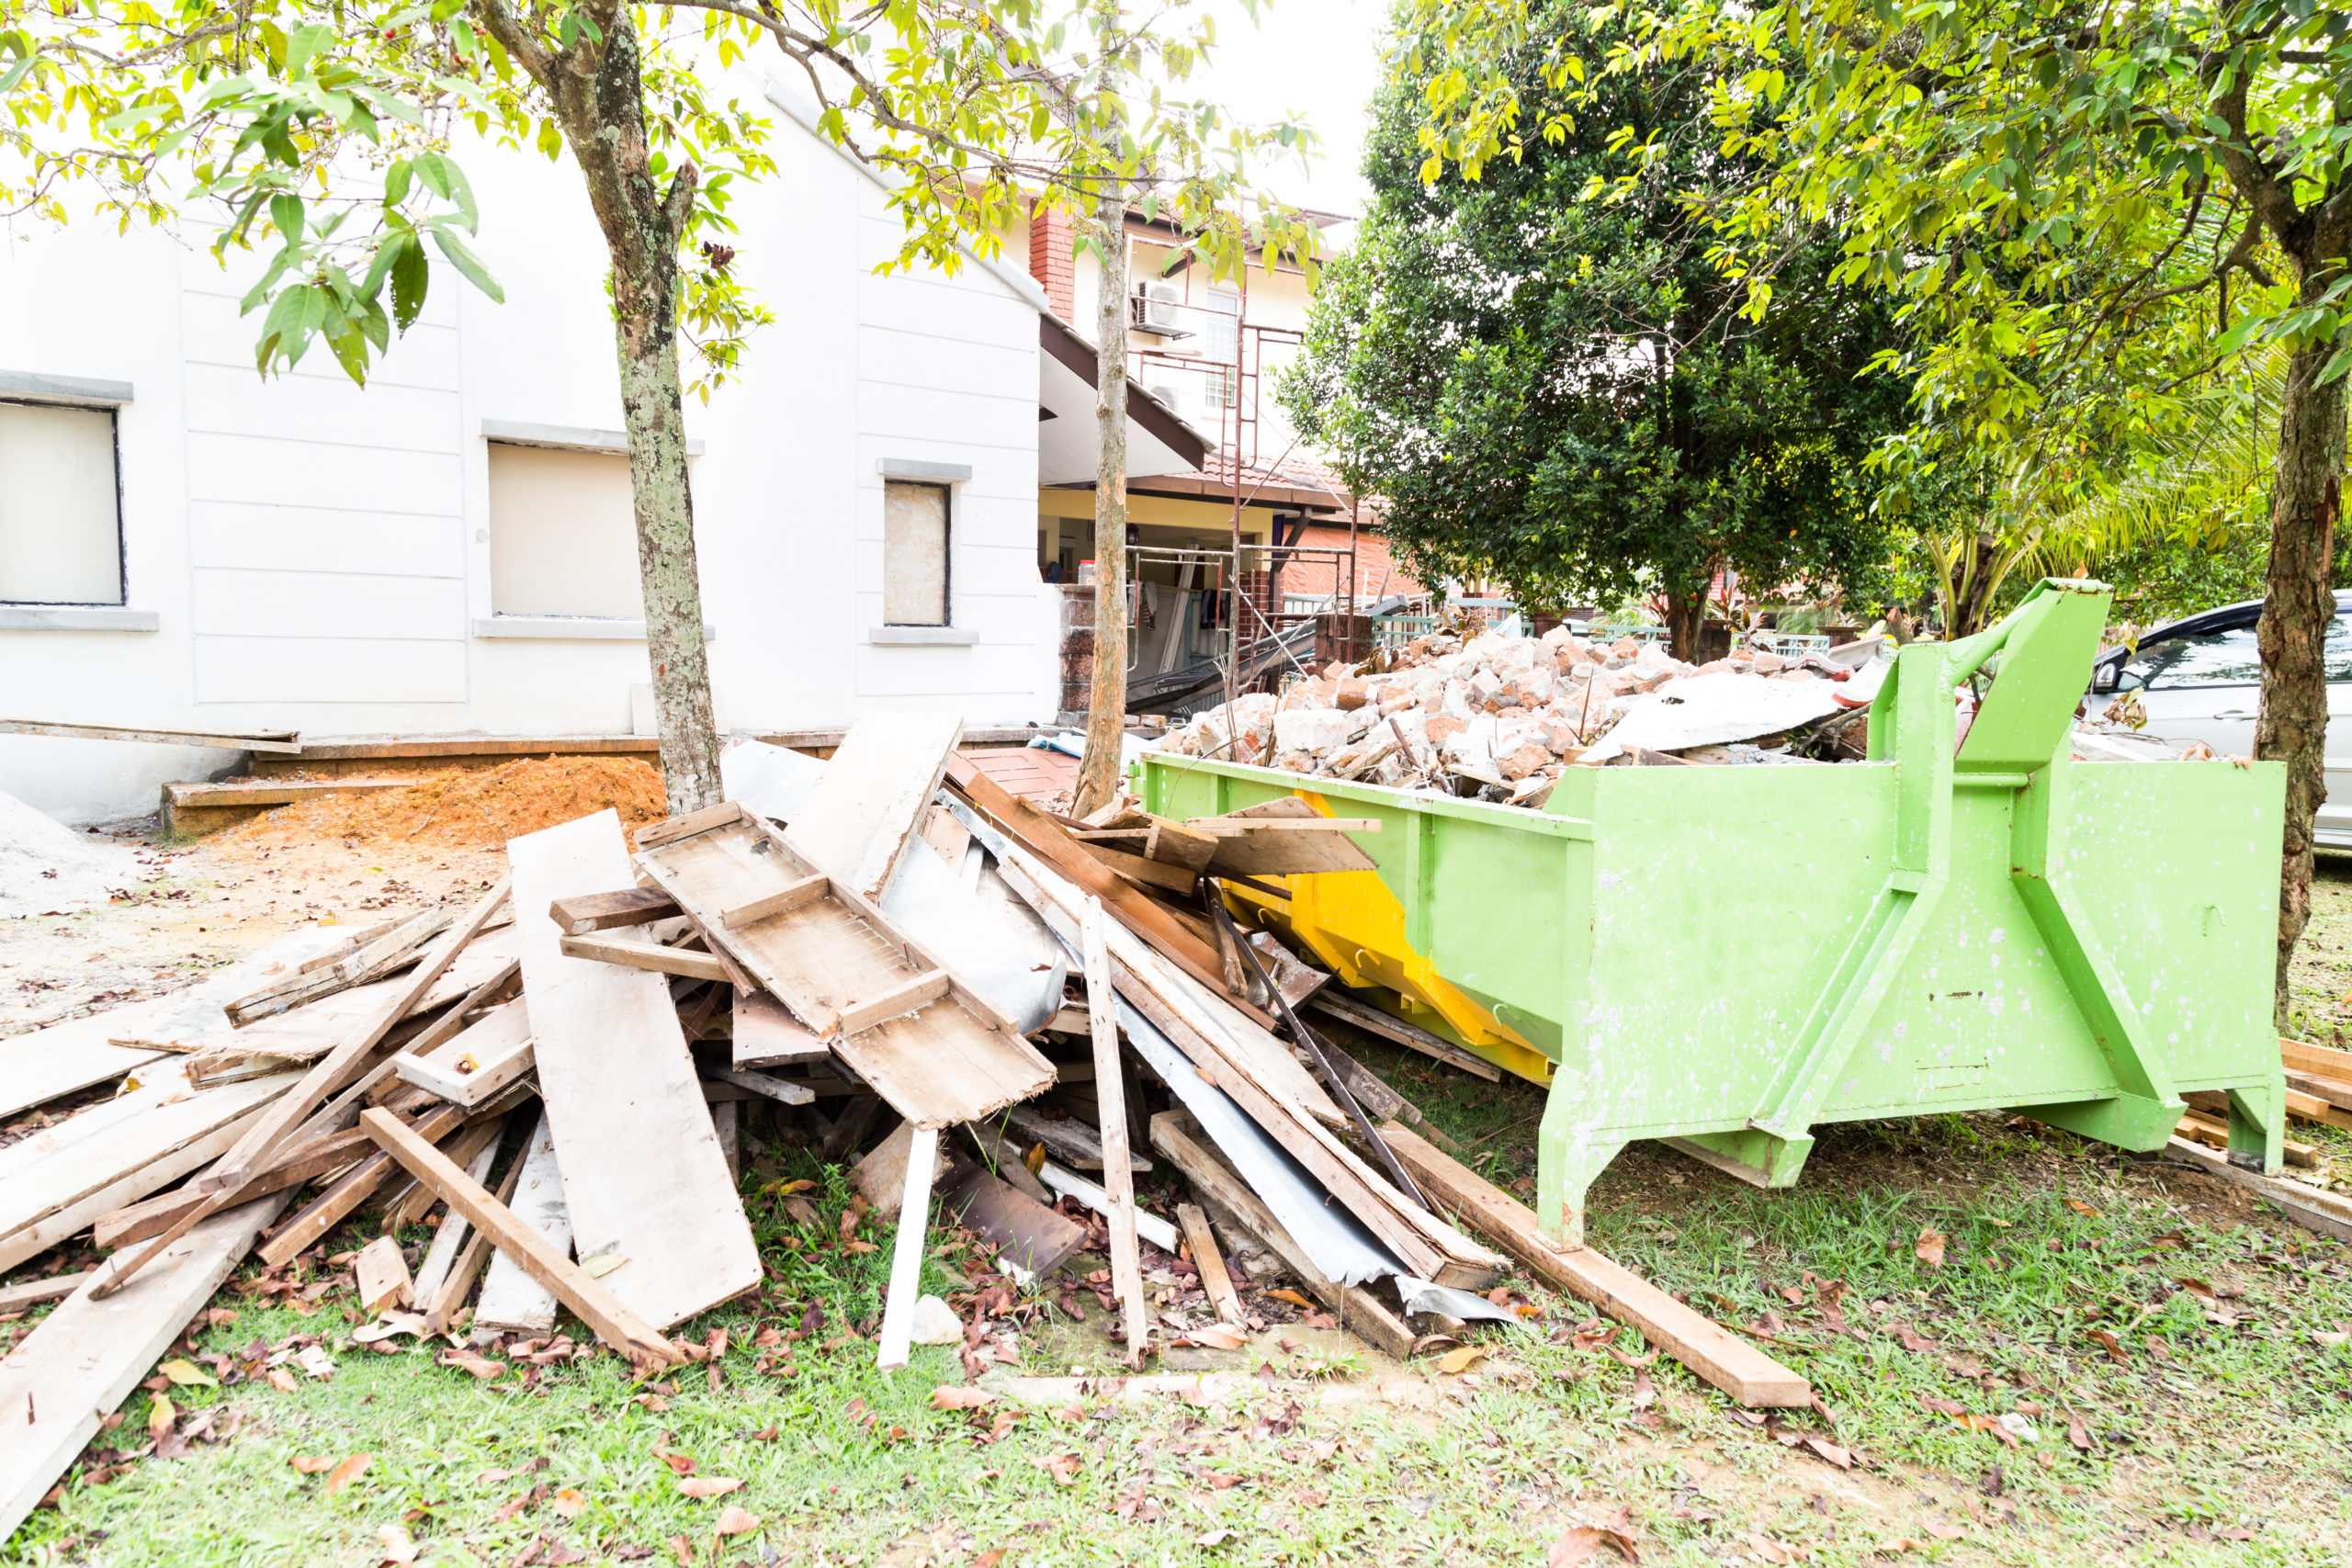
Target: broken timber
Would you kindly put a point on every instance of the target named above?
(937, 1050)
(1725, 1359)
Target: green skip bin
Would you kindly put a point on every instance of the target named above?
(1727, 957)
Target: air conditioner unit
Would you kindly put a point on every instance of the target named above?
(1159, 307)
(1166, 396)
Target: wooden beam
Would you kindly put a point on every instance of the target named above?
(32, 1292)
(585, 914)
(301, 1163)
(767, 1086)
(1118, 1180)
(331, 1208)
(645, 955)
(283, 742)
(441, 1308)
(614, 1323)
(1216, 1283)
(331, 1072)
(1174, 1135)
(2214, 1130)
(764, 1033)
(1145, 872)
(655, 834)
(807, 890)
(1076, 1144)
(2328, 1091)
(899, 999)
(1708, 1348)
(905, 1254)
(1372, 1021)
(2313, 1210)
(2321, 1061)
(450, 1239)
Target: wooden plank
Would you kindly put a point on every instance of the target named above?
(2313, 1210)
(463, 1151)
(727, 1120)
(1172, 843)
(1078, 1145)
(655, 834)
(642, 1170)
(1143, 872)
(478, 1061)
(451, 1240)
(644, 955)
(86, 1359)
(117, 1153)
(1216, 1283)
(511, 1298)
(1176, 1136)
(766, 1035)
(2321, 1061)
(614, 1323)
(1372, 1021)
(907, 1248)
(765, 1085)
(948, 838)
(1048, 840)
(791, 896)
(1235, 827)
(1725, 1359)
(331, 1073)
(908, 997)
(442, 1308)
(1118, 1178)
(1064, 1182)
(1287, 855)
(2328, 1091)
(585, 914)
(2215, 1132)
(370, 961)
(32, 1292)
(299, 1164)
(959, 1058)
(861, 813)
(382, 1275)
(285, 741)
(309, 1226)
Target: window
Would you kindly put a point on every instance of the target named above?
(2206, 658)
(914, 554)
(61, 515)
(562, 534)
(1221, 326)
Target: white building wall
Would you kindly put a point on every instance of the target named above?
(317, 557)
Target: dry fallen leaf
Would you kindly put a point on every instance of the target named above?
(1578, 1543)
(349, 1471)
(2108, 1342)
(399, 1548)
(2082, 1208)
(161, 1414)
(569, 1502)
(603, 1263)
(312, 1466)
(735, 1521)
(1062, 1467)
(1842, 1458)
(707, 1486)
(1461, 1361)
(1770, 1551)
(1929, 1250)
(187, 1374)
(1217, 1336)
(950, 1397)
(282, 1381)
(1212, 1538)
(1285, 1294)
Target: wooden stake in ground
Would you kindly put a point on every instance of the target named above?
(1118, 1180)
(614, 1323)
(905, 1255)
(253, 1151)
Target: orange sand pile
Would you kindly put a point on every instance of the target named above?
(474, 808)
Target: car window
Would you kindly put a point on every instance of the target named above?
(2205, 659)
(2338, 650)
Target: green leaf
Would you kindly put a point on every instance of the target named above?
(469, 264)
(397, 179)
(409, 281)
(303, 44)
(286, 215)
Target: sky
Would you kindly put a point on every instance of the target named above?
(1317, 60)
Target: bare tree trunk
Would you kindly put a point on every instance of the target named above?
(1686, 616)
(2299, 604)
(599, 100)
(1106, 712)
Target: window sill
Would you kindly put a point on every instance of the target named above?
(920, 637)
(76, 618)
(572, 629)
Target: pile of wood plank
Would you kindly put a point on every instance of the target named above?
(1000, 1017)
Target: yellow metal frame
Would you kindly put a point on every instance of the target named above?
(1354, 926)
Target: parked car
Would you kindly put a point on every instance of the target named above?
(2200, 677)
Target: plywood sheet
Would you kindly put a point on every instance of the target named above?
(644, 1176)
(860, 816)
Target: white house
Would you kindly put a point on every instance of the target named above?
(449, 552)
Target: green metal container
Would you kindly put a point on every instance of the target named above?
(1726, 958)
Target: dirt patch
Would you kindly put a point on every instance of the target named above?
(472, 808)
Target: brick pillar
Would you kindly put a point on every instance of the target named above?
(1264, 589)
(1050, 262)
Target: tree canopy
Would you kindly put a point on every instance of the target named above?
(1551, 380)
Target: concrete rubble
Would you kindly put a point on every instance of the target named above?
(1500, 716)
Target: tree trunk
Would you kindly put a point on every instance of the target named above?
(2298, 604)
(1966, 613)
(1106, 713)
(1686, 616)
(599, 100)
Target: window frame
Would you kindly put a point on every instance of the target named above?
(22, 390)
(946, 550)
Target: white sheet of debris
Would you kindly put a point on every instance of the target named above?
(1704, 710)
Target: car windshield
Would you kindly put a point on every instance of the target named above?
(2223, 658)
